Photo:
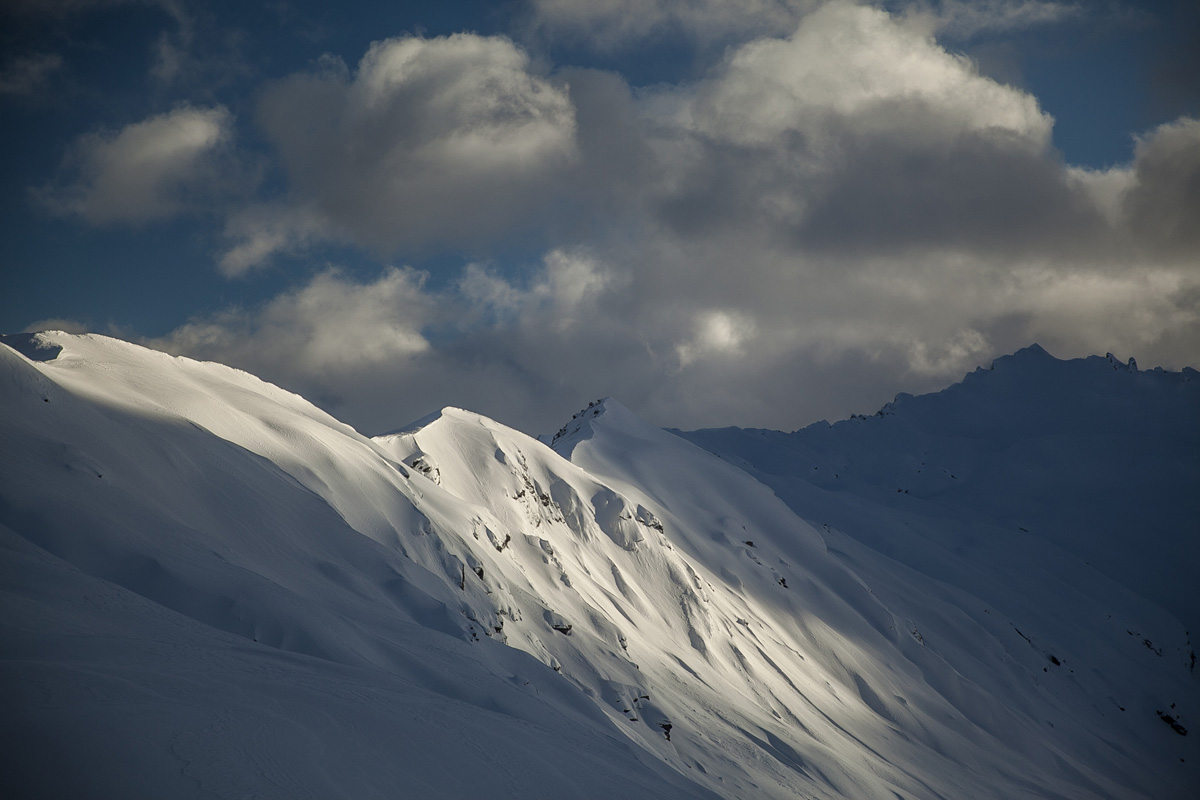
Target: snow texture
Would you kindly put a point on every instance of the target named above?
(211, 587)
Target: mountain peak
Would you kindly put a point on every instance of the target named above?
(1031, 356)
(1034, 350)
(1119, 366)
(579, 426)
(413, 426)
(607, 413)
(34, 346)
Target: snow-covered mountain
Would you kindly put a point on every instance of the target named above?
(212, 587)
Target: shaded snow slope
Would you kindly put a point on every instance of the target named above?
(212, 587)
(1088, 455)
(1049, 505)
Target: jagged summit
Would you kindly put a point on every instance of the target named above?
(416, 424)
(580, 426)
(1128, 366)
(1031, 352)
(1085, 451)
(1031, 390)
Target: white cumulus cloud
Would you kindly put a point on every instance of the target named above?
(852, 62)
(331, 327)
(430, 141)
(148, 170)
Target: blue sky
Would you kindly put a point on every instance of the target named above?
(757, 213)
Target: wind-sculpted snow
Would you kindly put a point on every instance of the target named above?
(1038, 523)
(212, 587)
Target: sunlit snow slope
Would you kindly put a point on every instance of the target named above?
(210, 587)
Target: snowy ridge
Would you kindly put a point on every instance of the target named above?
(624, 614)
(579, 427)
(1047, 504)
(1090, 455)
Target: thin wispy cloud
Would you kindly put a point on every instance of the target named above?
(29, 74)
(964, 20)
(611, 24)
(148, 170)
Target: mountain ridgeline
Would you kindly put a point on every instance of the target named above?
(211, 587)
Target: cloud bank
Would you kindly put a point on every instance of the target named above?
(838, 209)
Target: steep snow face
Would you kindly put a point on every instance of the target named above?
(1036, 523)
(211, 587)
(466, 611)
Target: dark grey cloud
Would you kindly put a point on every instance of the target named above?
(1163, 202)
(63, 8)
(982, 192)
(610, 24)
(1178, 62)
(616, 166)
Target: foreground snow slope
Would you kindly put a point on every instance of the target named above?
(210, 586)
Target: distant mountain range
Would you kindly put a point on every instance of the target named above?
(210, 587)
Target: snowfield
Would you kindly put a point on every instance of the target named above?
(210, 587)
